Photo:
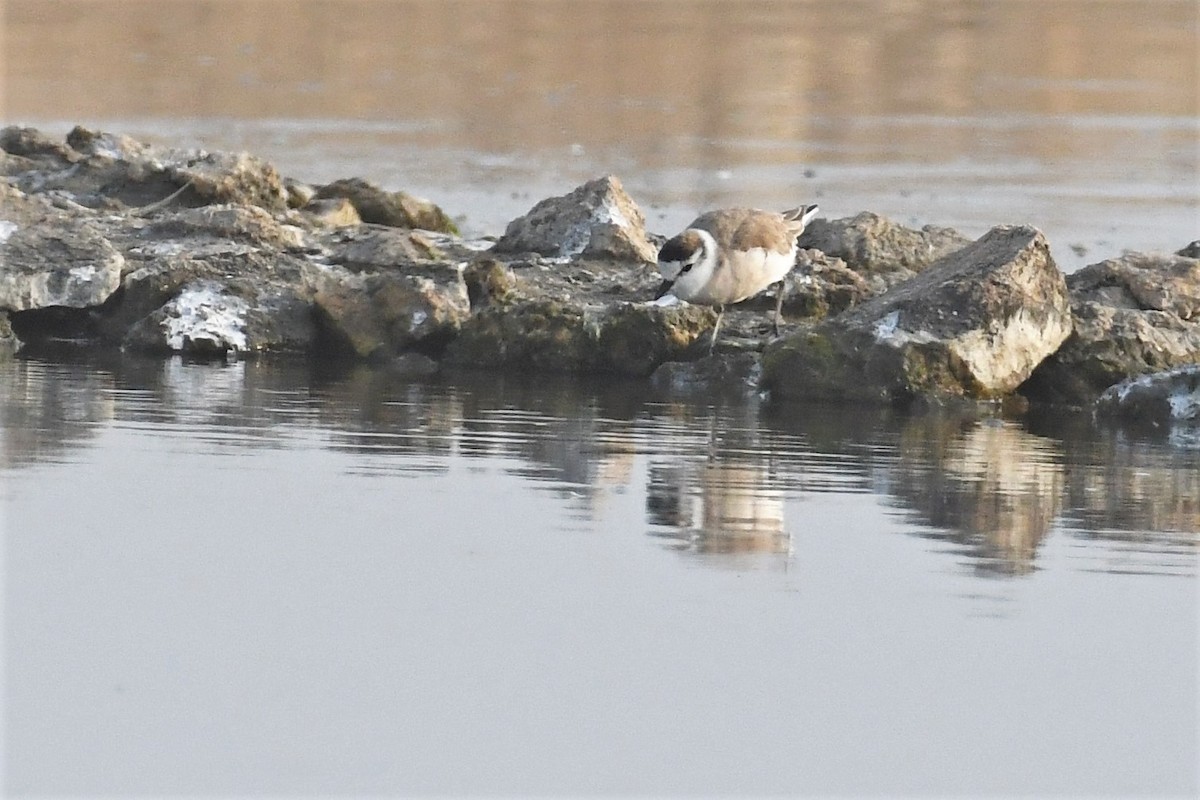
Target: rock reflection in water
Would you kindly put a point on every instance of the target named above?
(44, 419)
(994, 489)
(718, 475)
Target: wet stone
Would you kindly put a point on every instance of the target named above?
(1133, 315)
(973, 325)
(1160, 398)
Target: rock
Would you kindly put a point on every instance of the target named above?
(71, 265)
(9, 343)
(332, 212)
(874, 245)
(1191, 251)
(207, 316)
(203, 319)
(116, 146)
(394, 209)
(596, 220)
(115, 172)
(1158, 399)
(25, 149)
(822, 286)
(373, 247)
(300, 194)
(237, 178)
(635, 338)
(383, 314)
(1133, 315)
(732, 376)
(488, 281)
(412, 365)
(975, 325)
(547, 335)
(539, 335)
(249, 224)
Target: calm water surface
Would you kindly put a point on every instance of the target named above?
(278, 579)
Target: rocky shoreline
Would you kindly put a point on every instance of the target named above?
(106, 242)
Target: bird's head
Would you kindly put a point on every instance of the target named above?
(686, 263)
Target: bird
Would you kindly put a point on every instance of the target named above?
(731, 254)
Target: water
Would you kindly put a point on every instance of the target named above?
(301, 580)
(285, 579)
(1081, 117)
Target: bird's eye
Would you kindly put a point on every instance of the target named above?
(684, 269)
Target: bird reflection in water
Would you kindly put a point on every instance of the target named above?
(714, 508)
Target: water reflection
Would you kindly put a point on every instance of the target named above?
(723, 482)
(717, 508)
(994, 489)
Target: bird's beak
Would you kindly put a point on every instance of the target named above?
(663, 288)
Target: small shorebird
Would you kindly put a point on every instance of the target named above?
(732, 254)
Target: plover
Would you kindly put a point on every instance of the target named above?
(730, 255)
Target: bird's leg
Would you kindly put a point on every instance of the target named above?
(713, 342)
(778, 307)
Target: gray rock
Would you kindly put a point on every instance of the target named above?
(300, 194)
(203, 319)
(874, 245)
(823, 286)
(1192, 250)
(191, 304)
(975, 325)
(1133, 315)
(596, 220)
(379, 315)
(732, 376)
(70, 265)
(370, 248)
(251, 225)
(115, 172)
(488, 281)
(1161, 398)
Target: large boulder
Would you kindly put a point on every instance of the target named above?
(1133, 315)
(596, 220)
(974, 324)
